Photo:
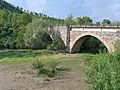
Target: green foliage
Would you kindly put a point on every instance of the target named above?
(69, 20)
(58, 45)
(104, 71)
(52, 65)
(7, 6)
(92, 44)
(21, 29)
(83, 20)
(24, 53)
(106, 22)
(36, 36)
(79, 21)
(48, 69)
(20, 38)
(10, 25)
(39, 66)
(13, 26)
(25, 18)
(98, 23)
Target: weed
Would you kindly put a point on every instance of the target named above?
(48, 69)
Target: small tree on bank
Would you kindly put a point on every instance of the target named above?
(36, 36)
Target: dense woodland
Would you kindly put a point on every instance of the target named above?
(21, 29)
(14, 22)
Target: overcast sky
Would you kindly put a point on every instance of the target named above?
(96, 9)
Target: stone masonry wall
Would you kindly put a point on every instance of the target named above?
(107, 38)
(61, 31)
(74, 37)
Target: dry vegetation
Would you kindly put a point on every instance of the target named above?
(17, 72)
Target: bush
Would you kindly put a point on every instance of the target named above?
(48, 69)
(58, 45)
(104, 71)
(52, 66)
(39, 67)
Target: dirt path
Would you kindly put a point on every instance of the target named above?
(12, 78)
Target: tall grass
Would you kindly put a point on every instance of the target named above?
(24, 53)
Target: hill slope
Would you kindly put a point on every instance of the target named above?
(7, 6)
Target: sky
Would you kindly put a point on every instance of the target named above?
(96, 9)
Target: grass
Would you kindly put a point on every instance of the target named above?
(11, 56)
(23, 53)
(23, 58)
(70, 67)
(19, 56)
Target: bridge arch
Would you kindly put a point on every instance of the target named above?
(76, 44)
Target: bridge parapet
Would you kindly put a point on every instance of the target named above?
(94, 26)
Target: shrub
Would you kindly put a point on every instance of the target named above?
(58, 45)
(104, 71)
(39, 67)
(48, 69)
(52, 66)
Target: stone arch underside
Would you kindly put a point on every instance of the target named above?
(76, 44)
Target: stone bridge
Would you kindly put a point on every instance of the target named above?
(74, 36)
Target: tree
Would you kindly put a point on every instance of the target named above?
(87, 20)
(97, 23)
(69, 20)
(25, 18)
(13, 22)
(79, 21)
(106, 22)
(4, 17)
(7, 35)
(36, 36)
(84, 20)
(20, 38)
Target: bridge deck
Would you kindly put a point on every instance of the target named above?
(108, 28)
(95, 26)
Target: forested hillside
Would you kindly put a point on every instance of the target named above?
(14, 24)
(7, 6)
